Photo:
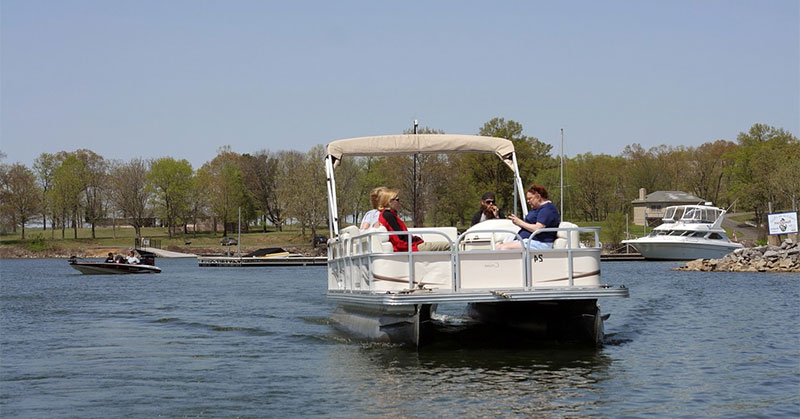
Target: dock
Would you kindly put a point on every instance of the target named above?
(236, 261)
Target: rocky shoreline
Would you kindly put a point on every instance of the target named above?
(783, 258)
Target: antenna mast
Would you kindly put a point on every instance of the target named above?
(562, 174)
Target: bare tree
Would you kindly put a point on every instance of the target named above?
(131, 192)
(309, 205)
(261, 176)
(94, 179)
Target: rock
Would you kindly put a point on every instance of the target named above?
(771, 254)
(783, 258)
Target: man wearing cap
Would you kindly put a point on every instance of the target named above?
(488, 209)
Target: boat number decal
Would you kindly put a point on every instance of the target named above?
(537, 258)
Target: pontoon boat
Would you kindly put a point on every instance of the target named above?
(392, 296)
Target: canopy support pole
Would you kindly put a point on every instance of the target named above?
(333, 210)
(518, 184)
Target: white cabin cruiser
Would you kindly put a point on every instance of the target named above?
(391, 296)
(688, 232)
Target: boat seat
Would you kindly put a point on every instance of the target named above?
(349, 231)
(504, 230)
(561, 241)
(449, 232)
(380, 242)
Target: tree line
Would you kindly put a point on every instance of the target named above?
(67, 190)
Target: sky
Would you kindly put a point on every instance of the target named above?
(181, 78)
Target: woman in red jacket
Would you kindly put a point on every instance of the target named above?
(388, 204)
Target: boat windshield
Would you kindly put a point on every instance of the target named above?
(678, 233)
(701, 215)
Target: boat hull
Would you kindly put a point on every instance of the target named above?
(406, 324)
(102, 268)
(663, 250)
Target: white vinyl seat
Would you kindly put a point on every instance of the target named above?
(562, 241)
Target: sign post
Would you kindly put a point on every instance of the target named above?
(782, 223)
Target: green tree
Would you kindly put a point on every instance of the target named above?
(706, 175)
(595, 185)
(198, 197)
(227, 189)
(785, 179)
(171, 181)
(451, 201)
(20, 195)
(615, 223)
(45, 166)
(490, 174)
(67, 190)
(753, 170)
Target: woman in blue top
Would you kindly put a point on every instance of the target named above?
(543, 214)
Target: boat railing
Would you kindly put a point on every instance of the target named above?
(355, 253)
(409, 238)
(570, 248)
(525, 256)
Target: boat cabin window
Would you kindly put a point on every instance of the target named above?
(715, 236)
(699, 234)
(669, 215)
(710, 215)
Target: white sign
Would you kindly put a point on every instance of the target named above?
(782, 223)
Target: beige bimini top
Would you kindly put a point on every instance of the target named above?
(384, 145)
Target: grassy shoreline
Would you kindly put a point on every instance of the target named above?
(49, 244)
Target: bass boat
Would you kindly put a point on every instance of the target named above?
(104, 268)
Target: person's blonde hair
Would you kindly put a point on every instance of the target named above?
(373, 196)
(385, 196)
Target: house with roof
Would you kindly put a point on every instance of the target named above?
(650, 208)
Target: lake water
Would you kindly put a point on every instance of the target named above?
(256, 342)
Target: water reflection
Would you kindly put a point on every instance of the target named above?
(464, 375)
